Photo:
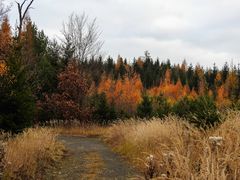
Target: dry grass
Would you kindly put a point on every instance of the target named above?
(179, 151)
(27, 154)
(84, 131)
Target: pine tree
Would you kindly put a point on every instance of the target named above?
(17, 106)
(145, 109)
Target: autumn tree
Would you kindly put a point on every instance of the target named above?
(5, 39)
(5, 44)
(124, 93)
(67, 103)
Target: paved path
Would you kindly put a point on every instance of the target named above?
(90, 158)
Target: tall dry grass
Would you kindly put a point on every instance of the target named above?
(83, 131)
(172, 148)
(27, 154)
(75, 128)
(3, 137)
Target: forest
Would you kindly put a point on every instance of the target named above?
(44, 79)
(47, 82)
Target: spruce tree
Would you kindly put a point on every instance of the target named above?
(17, 105)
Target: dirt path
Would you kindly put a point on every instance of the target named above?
(90, 158)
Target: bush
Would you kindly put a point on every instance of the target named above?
(145, 109)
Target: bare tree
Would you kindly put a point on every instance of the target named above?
(22, 12)
(3, 9)
(83, 36)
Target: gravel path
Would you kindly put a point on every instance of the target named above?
(90, 158)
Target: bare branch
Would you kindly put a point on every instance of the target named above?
(22, 14)
(26, 10)
(3, 9)
(83, 35)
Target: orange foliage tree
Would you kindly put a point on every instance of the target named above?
(170, 90)
(5, 39)
(222, 97)
(67, 104)
(125, 94)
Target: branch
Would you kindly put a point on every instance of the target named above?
(22, 14)
(29, 5)
(23, 3)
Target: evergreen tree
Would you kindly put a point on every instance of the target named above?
(17, 105)
(102, 113)
(162, 106)
(145, 109)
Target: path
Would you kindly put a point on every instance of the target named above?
(90, 158)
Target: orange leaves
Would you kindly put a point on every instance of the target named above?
(124, 93)
(167, 79)
(170, 90)
(3, 68)
(67, 104)
(5, 44)
(107, 86)
(5, 39)
(73, 82)
(222, 97)
(140, 63)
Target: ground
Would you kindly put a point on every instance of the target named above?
(90, 158)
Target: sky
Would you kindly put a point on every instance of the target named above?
(199, 31)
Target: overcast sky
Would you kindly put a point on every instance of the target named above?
(204, 31)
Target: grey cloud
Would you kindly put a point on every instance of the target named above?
(192, 29)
